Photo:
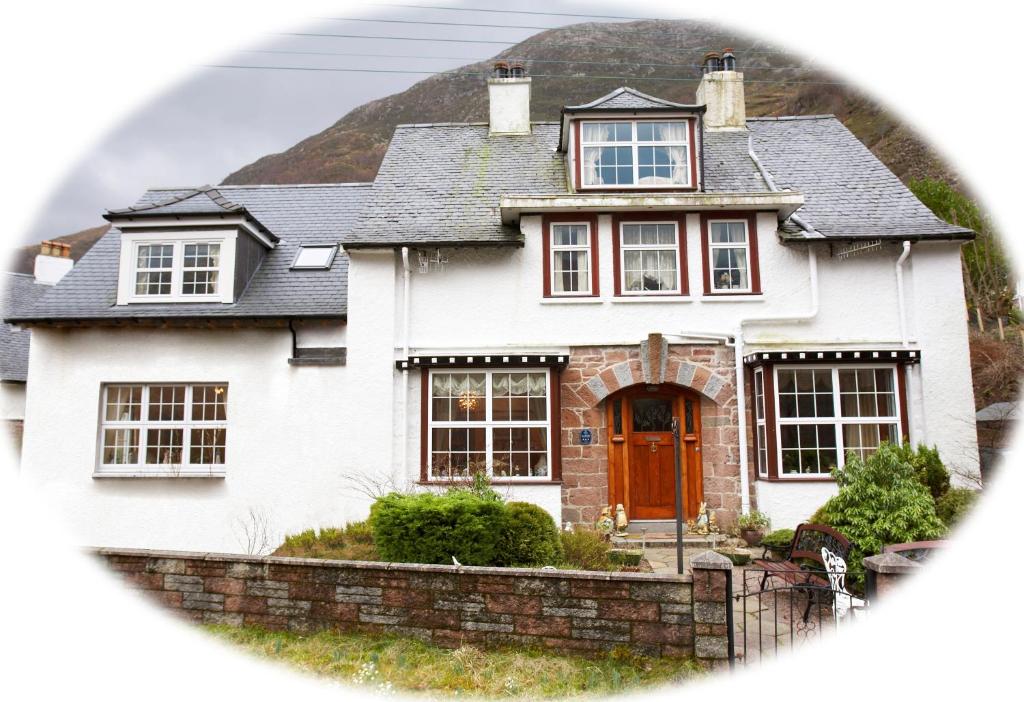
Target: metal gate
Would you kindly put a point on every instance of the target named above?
(772, 615)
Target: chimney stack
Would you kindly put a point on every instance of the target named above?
(52, 262)
(508, 92)
(721, 90)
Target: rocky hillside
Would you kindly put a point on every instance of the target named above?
(567, 65)
(570, 65)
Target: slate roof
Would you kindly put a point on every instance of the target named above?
(627, 99)
(297, 214)
(441, 183)
(848, 192)
(19, 292)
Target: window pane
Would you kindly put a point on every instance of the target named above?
(166, 403)
(571, 271)
(163, 446)
(124, 403)
(120, 446)
(153, 283)
(207, 446)
(630, 234)
(569, 235)
(209, 403)
(156, 256)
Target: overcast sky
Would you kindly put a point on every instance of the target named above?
(221, 119)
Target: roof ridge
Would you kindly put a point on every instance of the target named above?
(208, 190)
(786, 118)
(658, 102)
(411, 125)
(161, 188)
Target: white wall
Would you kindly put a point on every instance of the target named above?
(289, 443)
(12, 401)
(790, 504)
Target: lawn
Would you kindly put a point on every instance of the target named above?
(388, 664)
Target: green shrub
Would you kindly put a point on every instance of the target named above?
(880, 501)
(778, 539)
(927, 467)
(585, 549)
(954, 505)
(429, 528)
(530, 537)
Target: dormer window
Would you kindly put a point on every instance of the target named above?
(159, 267)
(636, 154)
(169, 269)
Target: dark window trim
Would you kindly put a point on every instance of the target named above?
(673, 216)
(771, 425)
(755, 264)
(595, 274)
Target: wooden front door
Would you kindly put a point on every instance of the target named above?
(642, 455)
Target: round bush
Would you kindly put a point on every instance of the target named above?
(530, 537)
(954, 505)
(429, 528)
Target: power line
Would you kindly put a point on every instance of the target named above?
(507, 12)
(487, 73)
(513, 58)
(749, 52)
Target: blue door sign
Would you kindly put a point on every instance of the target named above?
(585, 437)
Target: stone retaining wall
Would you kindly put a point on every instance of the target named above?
(567, 611)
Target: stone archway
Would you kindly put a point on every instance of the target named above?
(593, 373)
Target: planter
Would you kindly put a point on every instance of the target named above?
(777, 553)
(738, 556)
(752, 536)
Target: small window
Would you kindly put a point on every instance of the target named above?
(650, 258)
(570, 259)
(315, 257)
(729, 250)
(177, 269)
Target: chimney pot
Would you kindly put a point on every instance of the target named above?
(501, 69)
(44, 248)
(712, 62)
(517, 69)
(728, 60)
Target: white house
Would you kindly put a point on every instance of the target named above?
(537, 299)
(20, 291)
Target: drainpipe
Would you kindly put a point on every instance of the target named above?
(406, 283)
(899, 293)
(741, 390)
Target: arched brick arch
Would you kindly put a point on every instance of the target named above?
(594, 373)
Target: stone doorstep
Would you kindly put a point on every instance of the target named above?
(668, 540)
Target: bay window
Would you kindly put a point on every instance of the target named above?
(635, 154)
(497, 421)
(166, 428)
(760, 423)
(823, 413)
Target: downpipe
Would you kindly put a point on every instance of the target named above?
(406, 296)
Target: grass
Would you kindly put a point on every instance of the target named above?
(388, 664)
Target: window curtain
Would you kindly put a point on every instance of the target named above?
(680, 165)
(591, 155)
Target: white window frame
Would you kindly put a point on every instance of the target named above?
(488, 423)
(838, 420)
(713, 246)
(130, 243)
(623, 248)
(143, 469)
(635, 144)
(553, 249)
(760, 423)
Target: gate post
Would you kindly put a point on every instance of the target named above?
(883, 572)
(712, 609)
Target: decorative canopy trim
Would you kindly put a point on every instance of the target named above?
(483, 361)
(844, 356)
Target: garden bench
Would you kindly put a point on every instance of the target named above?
(808, 541)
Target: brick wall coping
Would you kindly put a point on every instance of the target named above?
(890, 563)
(400, 567)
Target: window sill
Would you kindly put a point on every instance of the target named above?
(640, 299)
(581, 300)
(497, 481)
(732, 297)
(162, 474)
(809, 479)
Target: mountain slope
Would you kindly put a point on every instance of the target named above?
(567, 65)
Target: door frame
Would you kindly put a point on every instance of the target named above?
(619, 425)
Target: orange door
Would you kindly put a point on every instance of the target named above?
(652, 484)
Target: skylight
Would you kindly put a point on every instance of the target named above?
(315, 257)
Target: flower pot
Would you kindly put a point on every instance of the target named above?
(752, 536)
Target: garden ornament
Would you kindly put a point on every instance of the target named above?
(701, 527)
(605, 523)
(620, 519)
